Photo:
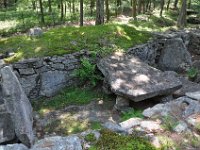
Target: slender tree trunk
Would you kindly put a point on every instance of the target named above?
(116, 13)
(189, 4)
(175, 4)
(73, 6)
(81, 12)
(168, 3)
(119, 3)
(181, 22)
(162, 3)
(33, 5)
(139, 6)
(134, 9)
(61, 10)
(41, 11)
(5, 3)
(143, 7)
(107, 11)
(99, 12)
(65, 9)
(92, 4)
(49, 4)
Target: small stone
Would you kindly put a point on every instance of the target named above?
(58, 66)
(27, 71)
(132, 122)
(193, 95)
(113, 127)
(151, 126)
(181, 127)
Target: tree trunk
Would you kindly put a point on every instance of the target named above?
(92, 4)
(168, 3)
(49, 4)
(139, 6)
(162, 3)
(81, 12)
(181, 22)
(175, 4)
(34, 5)
(119, 3)
(41, 11)
(65, 8)
(61, 10)
(107, 11)
(134, 9)
(189, 4)
(143, 7)
(5, 3)
(99, 12)
(73, 6)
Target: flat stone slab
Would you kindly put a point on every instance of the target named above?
(131, 78)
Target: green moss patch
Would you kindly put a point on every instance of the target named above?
(59, 41)
(68, 96)
(113, 141)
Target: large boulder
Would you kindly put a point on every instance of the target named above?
(174, 55)
(59, 143)
(188, 86)
(182, 107)
(13, 147)
(16, 117)
(52, 82)
(129, 77)
(194, 44)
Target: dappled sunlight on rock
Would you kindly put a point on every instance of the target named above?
(128, 76)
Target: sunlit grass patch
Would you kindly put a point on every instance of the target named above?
(68, 96)
(59, 41)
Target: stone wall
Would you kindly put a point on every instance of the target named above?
(46, 76)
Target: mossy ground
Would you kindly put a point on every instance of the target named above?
(66, 97)
(114, 141)
(63, 40)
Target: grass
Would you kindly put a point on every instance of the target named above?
(131, 114)
(59, 41)
(169, 123)
(68, 96)
(113, 141)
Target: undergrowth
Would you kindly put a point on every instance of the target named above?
(113, 141)
(68, 96)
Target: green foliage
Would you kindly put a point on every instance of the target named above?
(95, 125)
(59, 41)
(90, 137)
(113, 141)
(192, 73)
(131, 114)
(68, 96)
(169, 123)
(87, 72)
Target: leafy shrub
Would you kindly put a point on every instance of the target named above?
(131, 113)
(87, 72)
(113, 141)
(192, 73)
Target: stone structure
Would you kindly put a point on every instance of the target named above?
(46, 76)
(130, 78)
